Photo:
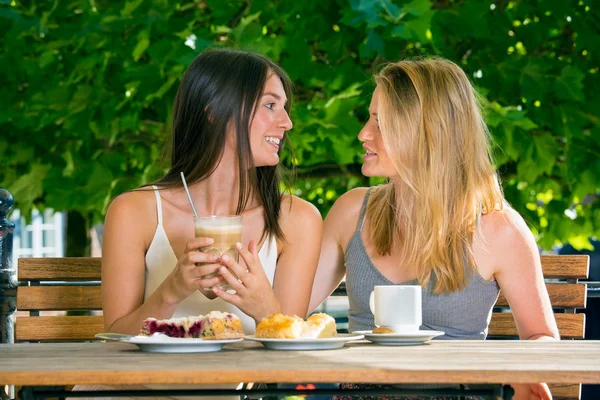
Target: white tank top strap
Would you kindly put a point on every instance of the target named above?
(268, 257)
(158, 204)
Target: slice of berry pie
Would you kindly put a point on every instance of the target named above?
(215, 325)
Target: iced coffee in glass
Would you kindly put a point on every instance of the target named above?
(226, 231)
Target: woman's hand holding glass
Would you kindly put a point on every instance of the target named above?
(190, 273)
(254, 294)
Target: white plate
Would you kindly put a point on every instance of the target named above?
(159, 343)
(336, 342)
(400, 339)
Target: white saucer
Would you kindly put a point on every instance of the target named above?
(159, 343)
(336, 342)
(400, 339)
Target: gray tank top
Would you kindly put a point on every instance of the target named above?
(461, 315)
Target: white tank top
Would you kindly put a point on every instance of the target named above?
(161, 260)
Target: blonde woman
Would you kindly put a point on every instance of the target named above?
(441, 221)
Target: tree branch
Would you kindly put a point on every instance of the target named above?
(330, 171)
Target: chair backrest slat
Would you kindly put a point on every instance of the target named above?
(562, 295)
(566, 267)
(58, 328)
(570, 326)
(59, 269)
(565, 391)
(46, 298)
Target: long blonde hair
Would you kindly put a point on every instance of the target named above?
(434, 133)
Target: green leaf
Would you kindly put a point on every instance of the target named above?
(546, 152)
(244, 25)
(298, 58)
(367, 11)
(130, 7)
(421, 27)
(528, 169)
(581, 242)
(533, 79)
(142, 45)
(392, 10)
(373, 45)
(28, 188)
(417, 7)
(587, 184)
(569, 85)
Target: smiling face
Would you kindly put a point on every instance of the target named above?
(269, 124)
(376, 160)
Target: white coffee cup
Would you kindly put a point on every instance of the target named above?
(397, 307)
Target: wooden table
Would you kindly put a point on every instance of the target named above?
(438, 362)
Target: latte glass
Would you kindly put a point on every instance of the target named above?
(226, 231)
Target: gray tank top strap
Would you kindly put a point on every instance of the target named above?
(363, 211)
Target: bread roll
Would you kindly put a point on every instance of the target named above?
(319, 326)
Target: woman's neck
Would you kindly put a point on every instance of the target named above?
(219, 193)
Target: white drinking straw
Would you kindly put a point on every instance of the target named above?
(188, 194)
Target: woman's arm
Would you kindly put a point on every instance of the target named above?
(518, 271)
(339, 226)
(301, 224)
(127, 234)
(124, 245)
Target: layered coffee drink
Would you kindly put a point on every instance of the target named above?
(226, 231)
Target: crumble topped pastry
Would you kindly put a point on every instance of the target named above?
(215, 325)
(279, 326)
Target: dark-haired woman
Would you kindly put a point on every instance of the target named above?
(230, 120)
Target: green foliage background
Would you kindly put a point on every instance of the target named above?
(87, 88)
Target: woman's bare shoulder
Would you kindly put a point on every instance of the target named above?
(295, 210)
(342, 219)
(134, 212)
(133, 203)
(349, 204)
(504, 225)
(301, 224)
(508, 238)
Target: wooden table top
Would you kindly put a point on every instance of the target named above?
(438, 362)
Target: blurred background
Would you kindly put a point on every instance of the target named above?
(86, 90)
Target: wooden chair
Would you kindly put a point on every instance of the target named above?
(58, 284)
(567, 296)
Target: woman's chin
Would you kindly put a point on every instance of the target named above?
(372, 173)
(270, 162)
(366, 171)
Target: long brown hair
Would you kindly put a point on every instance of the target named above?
(434, 133)
(220, 88)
